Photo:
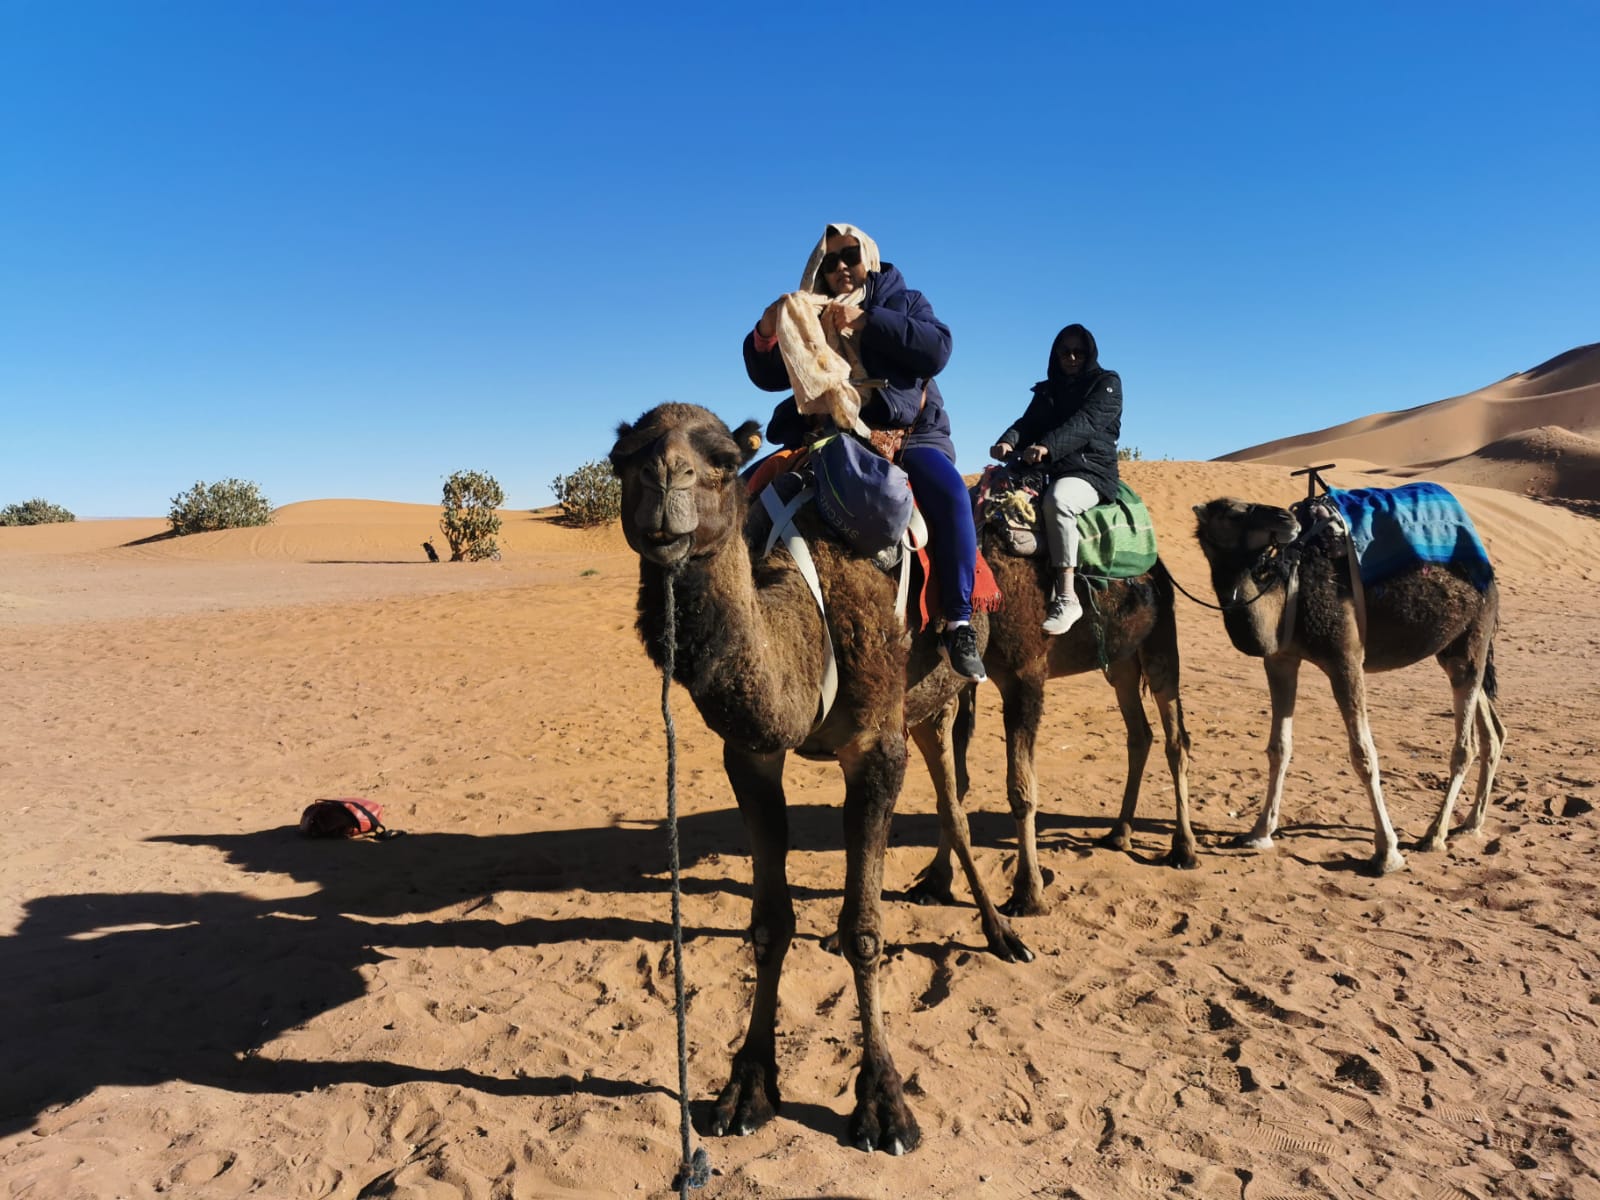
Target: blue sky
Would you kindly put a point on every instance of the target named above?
(343, 249)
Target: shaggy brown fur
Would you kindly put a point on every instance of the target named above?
(1135, 619)
(1422, 612)
(749, 649)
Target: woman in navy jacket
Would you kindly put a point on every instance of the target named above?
(901, 341)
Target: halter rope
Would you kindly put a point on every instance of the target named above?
(695, 1169)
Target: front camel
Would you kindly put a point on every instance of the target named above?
(1426, 610)
(750, 650)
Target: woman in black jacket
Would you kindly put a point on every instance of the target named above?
(1071, 425)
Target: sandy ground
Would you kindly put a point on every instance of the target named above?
(200, 1003)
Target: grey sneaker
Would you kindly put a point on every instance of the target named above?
(1062, 614)
(961, 644)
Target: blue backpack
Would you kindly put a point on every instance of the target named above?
(864, 496)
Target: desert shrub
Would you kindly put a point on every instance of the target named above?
(1129, 454)
(470, 522)
(34, 512)
(591, 495)
(226, 504)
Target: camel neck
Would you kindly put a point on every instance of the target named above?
(1250, 610)
(752, 683)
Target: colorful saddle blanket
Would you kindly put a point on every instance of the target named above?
(1392, 529)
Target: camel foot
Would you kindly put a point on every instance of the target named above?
(1182, 857)
(1467, 829)
(1252, 841)
(1006, 945)
(750, 1099)
(1432, 842)
(1120, 838)
(1025, 904)
(931, 889)
(882, 1119)
(1386, 864)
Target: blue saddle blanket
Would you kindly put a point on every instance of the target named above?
(1396, 528)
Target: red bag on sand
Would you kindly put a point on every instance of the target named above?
(346, 817)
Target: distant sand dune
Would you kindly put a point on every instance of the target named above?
(1530, 432)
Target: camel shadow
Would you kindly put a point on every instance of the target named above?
(142, 988)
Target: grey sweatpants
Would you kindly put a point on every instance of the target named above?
(1063, 501)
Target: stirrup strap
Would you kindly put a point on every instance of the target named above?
(783, 527)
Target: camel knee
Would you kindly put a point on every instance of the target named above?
(862, 948)
(769, 942)
(1022, 805)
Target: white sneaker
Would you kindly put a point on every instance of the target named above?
(1062, 614)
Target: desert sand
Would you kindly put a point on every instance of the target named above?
(201, 1003)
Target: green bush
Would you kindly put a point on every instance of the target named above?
(226, 504)
(34, 512)
(1129, 454)
(470, 522)
(591, 495)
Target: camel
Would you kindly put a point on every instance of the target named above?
(750, 648)
(1420, 612)
(1135, 618)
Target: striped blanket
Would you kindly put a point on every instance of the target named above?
(1396, 528)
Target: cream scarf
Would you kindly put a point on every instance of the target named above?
(822, 364)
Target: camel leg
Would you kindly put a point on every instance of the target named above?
(874, 768)
(934, 880)
(1464, 695)
(935, 738)
(1283, 682)
(1350, 693)
(751, 1096)
(1159, 663)
(1023, 709)
(1491, 742)
(1182, 854)
(1125, 677)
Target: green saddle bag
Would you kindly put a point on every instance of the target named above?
(1118, 540)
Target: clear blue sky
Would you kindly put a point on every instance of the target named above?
(346, 248)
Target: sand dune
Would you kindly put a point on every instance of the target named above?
(1459, 438)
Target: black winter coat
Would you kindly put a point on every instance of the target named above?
(1077, 418)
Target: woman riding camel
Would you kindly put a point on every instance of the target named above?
(894, 346)
(1071, 425)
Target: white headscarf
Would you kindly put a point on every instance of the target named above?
(822, 364)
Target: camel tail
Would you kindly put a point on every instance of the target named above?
(1491, 687)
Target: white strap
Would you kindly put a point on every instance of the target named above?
(783, 527)
(913, 539)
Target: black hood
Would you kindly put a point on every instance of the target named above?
(1064, 386)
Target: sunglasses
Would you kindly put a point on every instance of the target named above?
(850, 256)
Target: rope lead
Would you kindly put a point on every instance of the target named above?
(695, 1169)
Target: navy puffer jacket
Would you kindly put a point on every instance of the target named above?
(901, 341)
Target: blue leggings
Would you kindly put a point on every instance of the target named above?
(952, 541)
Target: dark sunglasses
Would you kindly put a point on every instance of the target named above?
(850, 256)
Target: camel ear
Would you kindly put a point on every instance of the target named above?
(748, 436)
(623, 430)
(1199, 510)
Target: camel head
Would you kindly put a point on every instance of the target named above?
(681, 493)
(1232, 529)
